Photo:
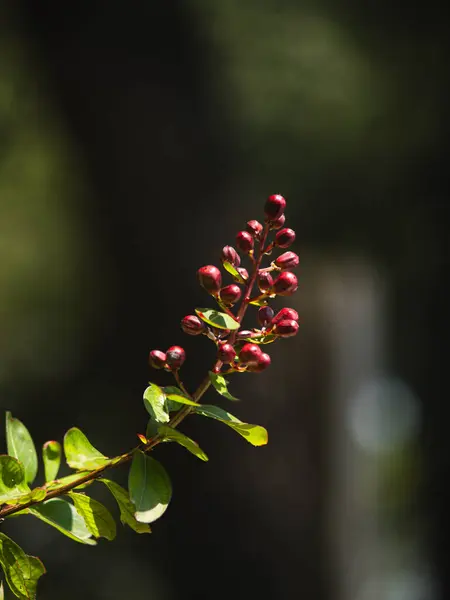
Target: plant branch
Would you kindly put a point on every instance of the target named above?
(9, 510)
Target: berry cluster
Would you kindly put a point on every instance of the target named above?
(240, 349)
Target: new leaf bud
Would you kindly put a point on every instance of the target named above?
(230, 294)
(192, 325)
(210, 278)
(284, 238)
(249, 354)
(265, 316)
(285, 284)
(274, 207)
(244, 241)
(254, 228)
(230, 255)
(285, 314)
(262, 364)
(286, 328)
(157, 359)
(226, 353)
(287, 260)
(243, 273)
(175, 357)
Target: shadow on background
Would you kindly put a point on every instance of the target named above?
(134, 142)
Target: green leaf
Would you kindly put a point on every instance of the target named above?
(262, 339)
(12, 480)
(80, 454)
(254, 434)
(97, 517)
(150, 488)
(233, 271)
(22, 572)
(220, 384)
(2, 593)
(259, 302)
(173, 435)
(51, 455)
(181, 398)
(65, 518)
(155, 403)
(126, 507)
(63, 481)
(38, 494)
(217, 319)
(20, 445)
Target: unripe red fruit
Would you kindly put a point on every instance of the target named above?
(278, 223)
(285, 284)
(265, 281)
(254, 227)
(226, 354)
(287, 260)
(244, 241)
(285, 314)
(229, 254)
(230, 294)
(157, 359)
(274, 207)
(265, 315)
(175, 357)
(192, 325)
(210, 278)
(284, 238)
(243, 273)
(286, 328)
(249, 354)
(262, 364)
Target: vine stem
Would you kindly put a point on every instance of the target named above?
(9, 510)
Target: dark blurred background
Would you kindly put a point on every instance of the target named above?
(135, 140)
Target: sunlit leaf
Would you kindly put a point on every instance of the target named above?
(149, 486)
(180, 398)
(155, 403)
(259, 302)
(63, 481)
(171, 434)
(126, 507)
(20, 445)
(12, 480)
(97, 517)
(217, 319)
(220, 384)
(65, 518)
(254, 434)
(51, 455)
(38, 494)
(80, 454)
(2, 593)
(233, 271)
(263, 339)
(22, 571)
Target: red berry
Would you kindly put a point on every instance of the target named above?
(192, 325)
(285, 314)
(254, 227)
(284, 238)
(265, 281)
(157, 359)
(243, 272)
(244, 241)
(246, 333)
(262, 364)
(249, 354)
(274, 207)
(230, 294)
(286, 328)
(278, 223)
(175, 357)
(285, 284)
(210, 278)
(287, 260)
(226, 354)
(265, 315)
(230, 255)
